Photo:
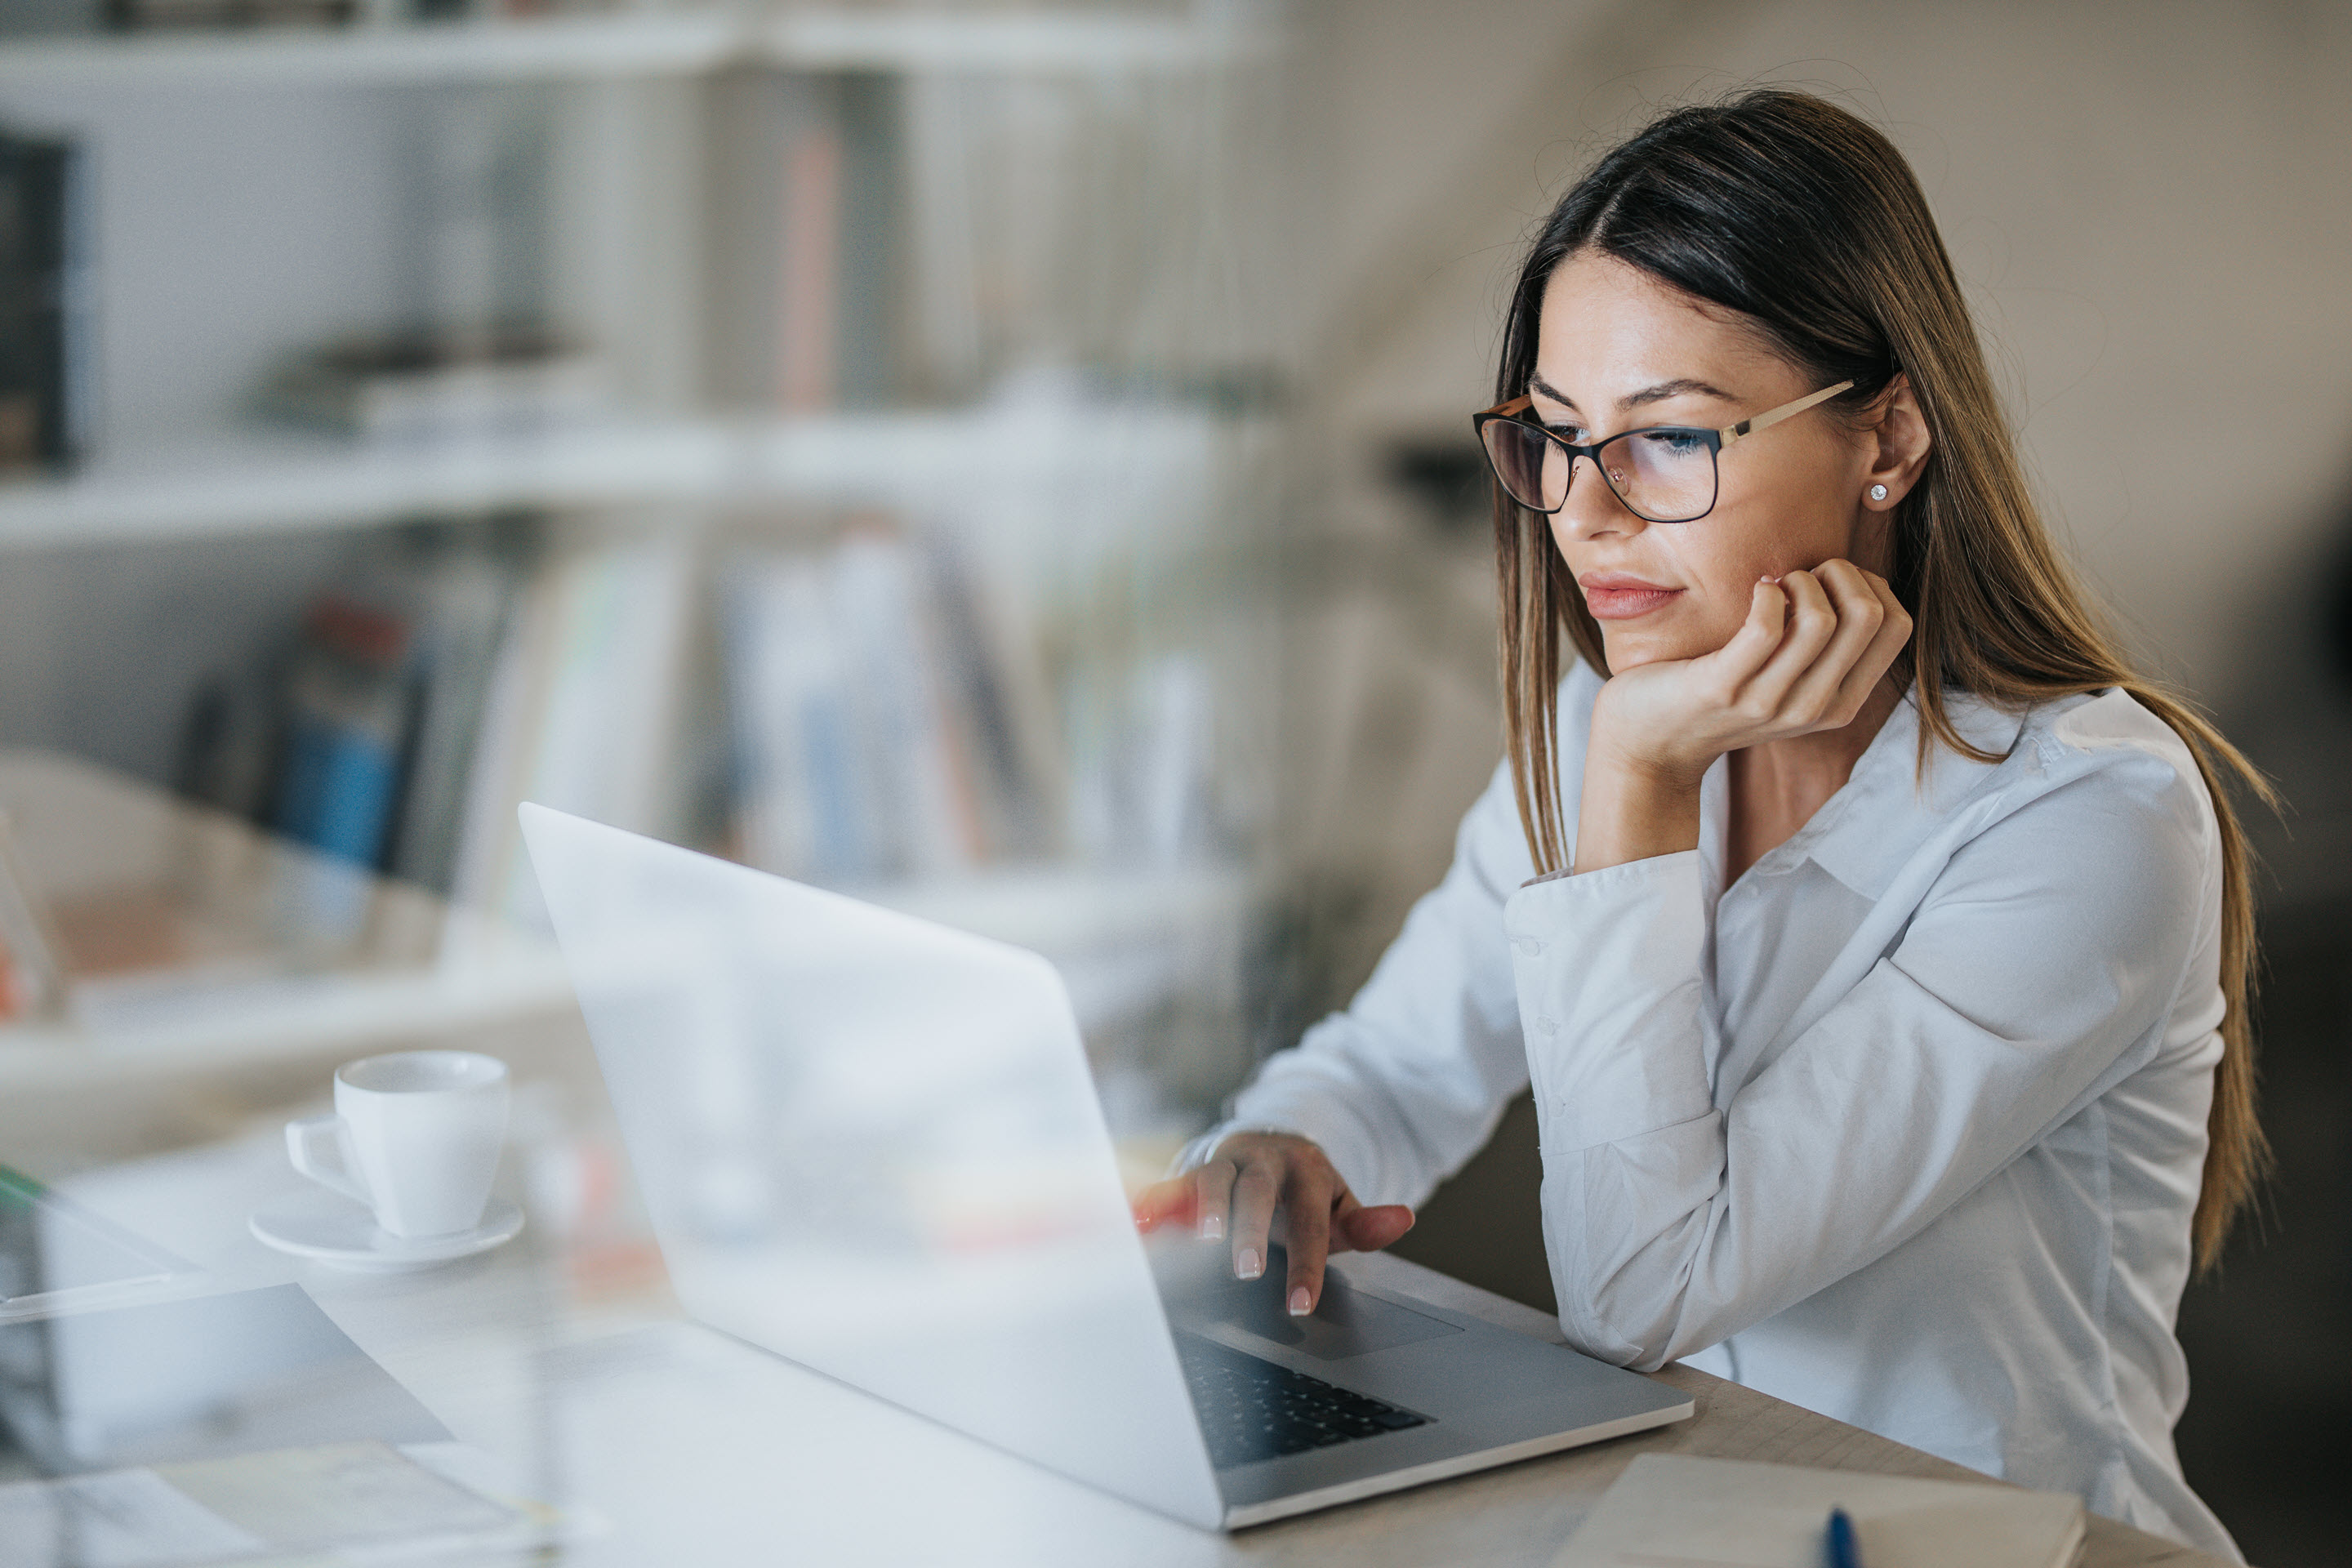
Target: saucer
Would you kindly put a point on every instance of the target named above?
(328, 1228)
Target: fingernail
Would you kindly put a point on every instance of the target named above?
(1249, 1267)
(1211, 1229)
(1298, 1302)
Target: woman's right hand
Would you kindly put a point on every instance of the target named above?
(1253, 1179)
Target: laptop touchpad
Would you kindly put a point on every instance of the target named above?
(1345, 1322)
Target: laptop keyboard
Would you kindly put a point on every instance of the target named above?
(1252, 1409)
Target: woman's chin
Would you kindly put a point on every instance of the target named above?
(1631, 649)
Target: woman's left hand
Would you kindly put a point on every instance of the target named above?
(1813, 646)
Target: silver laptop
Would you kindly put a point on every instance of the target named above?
(870, 1144)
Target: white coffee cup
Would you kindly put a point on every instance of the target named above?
(415, 1136)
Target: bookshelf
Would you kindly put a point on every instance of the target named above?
(1104, 470)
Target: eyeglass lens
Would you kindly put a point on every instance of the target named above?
(1664, 476)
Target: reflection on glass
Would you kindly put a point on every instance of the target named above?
(50, 1245)
(193, 1378)
(871, 1143)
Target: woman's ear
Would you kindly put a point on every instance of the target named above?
(1899, 444)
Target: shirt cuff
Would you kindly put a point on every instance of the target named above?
(1608, 967)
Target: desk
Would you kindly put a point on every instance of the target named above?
(697, 1450)
(587, 1383)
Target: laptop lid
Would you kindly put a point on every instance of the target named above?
(871, 1144)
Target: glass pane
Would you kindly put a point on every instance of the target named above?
(1535, 470)
(1667, 475)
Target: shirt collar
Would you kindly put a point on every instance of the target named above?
(1887, 807)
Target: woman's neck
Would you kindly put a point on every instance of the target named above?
(1777, 785)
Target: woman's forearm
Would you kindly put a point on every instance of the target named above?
(1633, 812)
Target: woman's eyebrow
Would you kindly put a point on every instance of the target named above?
(1663, 390)
(1678, 387)
(1538, 383)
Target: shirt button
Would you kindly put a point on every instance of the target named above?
(1546, 1027)
(1527, 946)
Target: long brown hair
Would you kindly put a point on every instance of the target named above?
(1811, 225)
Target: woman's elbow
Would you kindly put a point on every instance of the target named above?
(1640, 1329)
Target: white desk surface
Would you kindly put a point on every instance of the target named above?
(694, 1448)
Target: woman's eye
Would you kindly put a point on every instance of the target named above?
(1673, 443)
(1572, 434)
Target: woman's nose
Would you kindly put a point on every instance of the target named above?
(1591, 507)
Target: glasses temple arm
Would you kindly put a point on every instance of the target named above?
(1772, 416)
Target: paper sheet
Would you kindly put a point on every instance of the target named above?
(1670, 1511)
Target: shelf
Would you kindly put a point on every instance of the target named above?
(633, 43)
(246, 483)
(558, 47)
(254, 483)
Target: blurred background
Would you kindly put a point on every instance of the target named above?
(1011, 462)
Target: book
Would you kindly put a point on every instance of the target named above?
(876, 731)
(427, 384)
(578, 711)
(783, 709)
(461, 601)
(44, 357)
(350, 698)
(229, 741)
(357, 736)
(808, 270)
(999, 705)
(805, 293)
(908, 759)
(1669, 1511)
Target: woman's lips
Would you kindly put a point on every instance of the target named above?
(1614, 598)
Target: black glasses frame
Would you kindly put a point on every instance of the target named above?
(1715, 441)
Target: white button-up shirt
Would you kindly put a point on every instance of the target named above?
(1905, 1125)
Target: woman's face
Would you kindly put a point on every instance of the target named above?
(1618, 350)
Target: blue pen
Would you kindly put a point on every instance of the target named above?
(1840, 1542)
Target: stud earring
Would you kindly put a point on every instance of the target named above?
(1878, 492)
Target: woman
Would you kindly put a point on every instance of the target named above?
(1886, 1008)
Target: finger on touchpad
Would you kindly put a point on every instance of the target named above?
(1346, 1322)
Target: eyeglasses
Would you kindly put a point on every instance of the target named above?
(1663, 473)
